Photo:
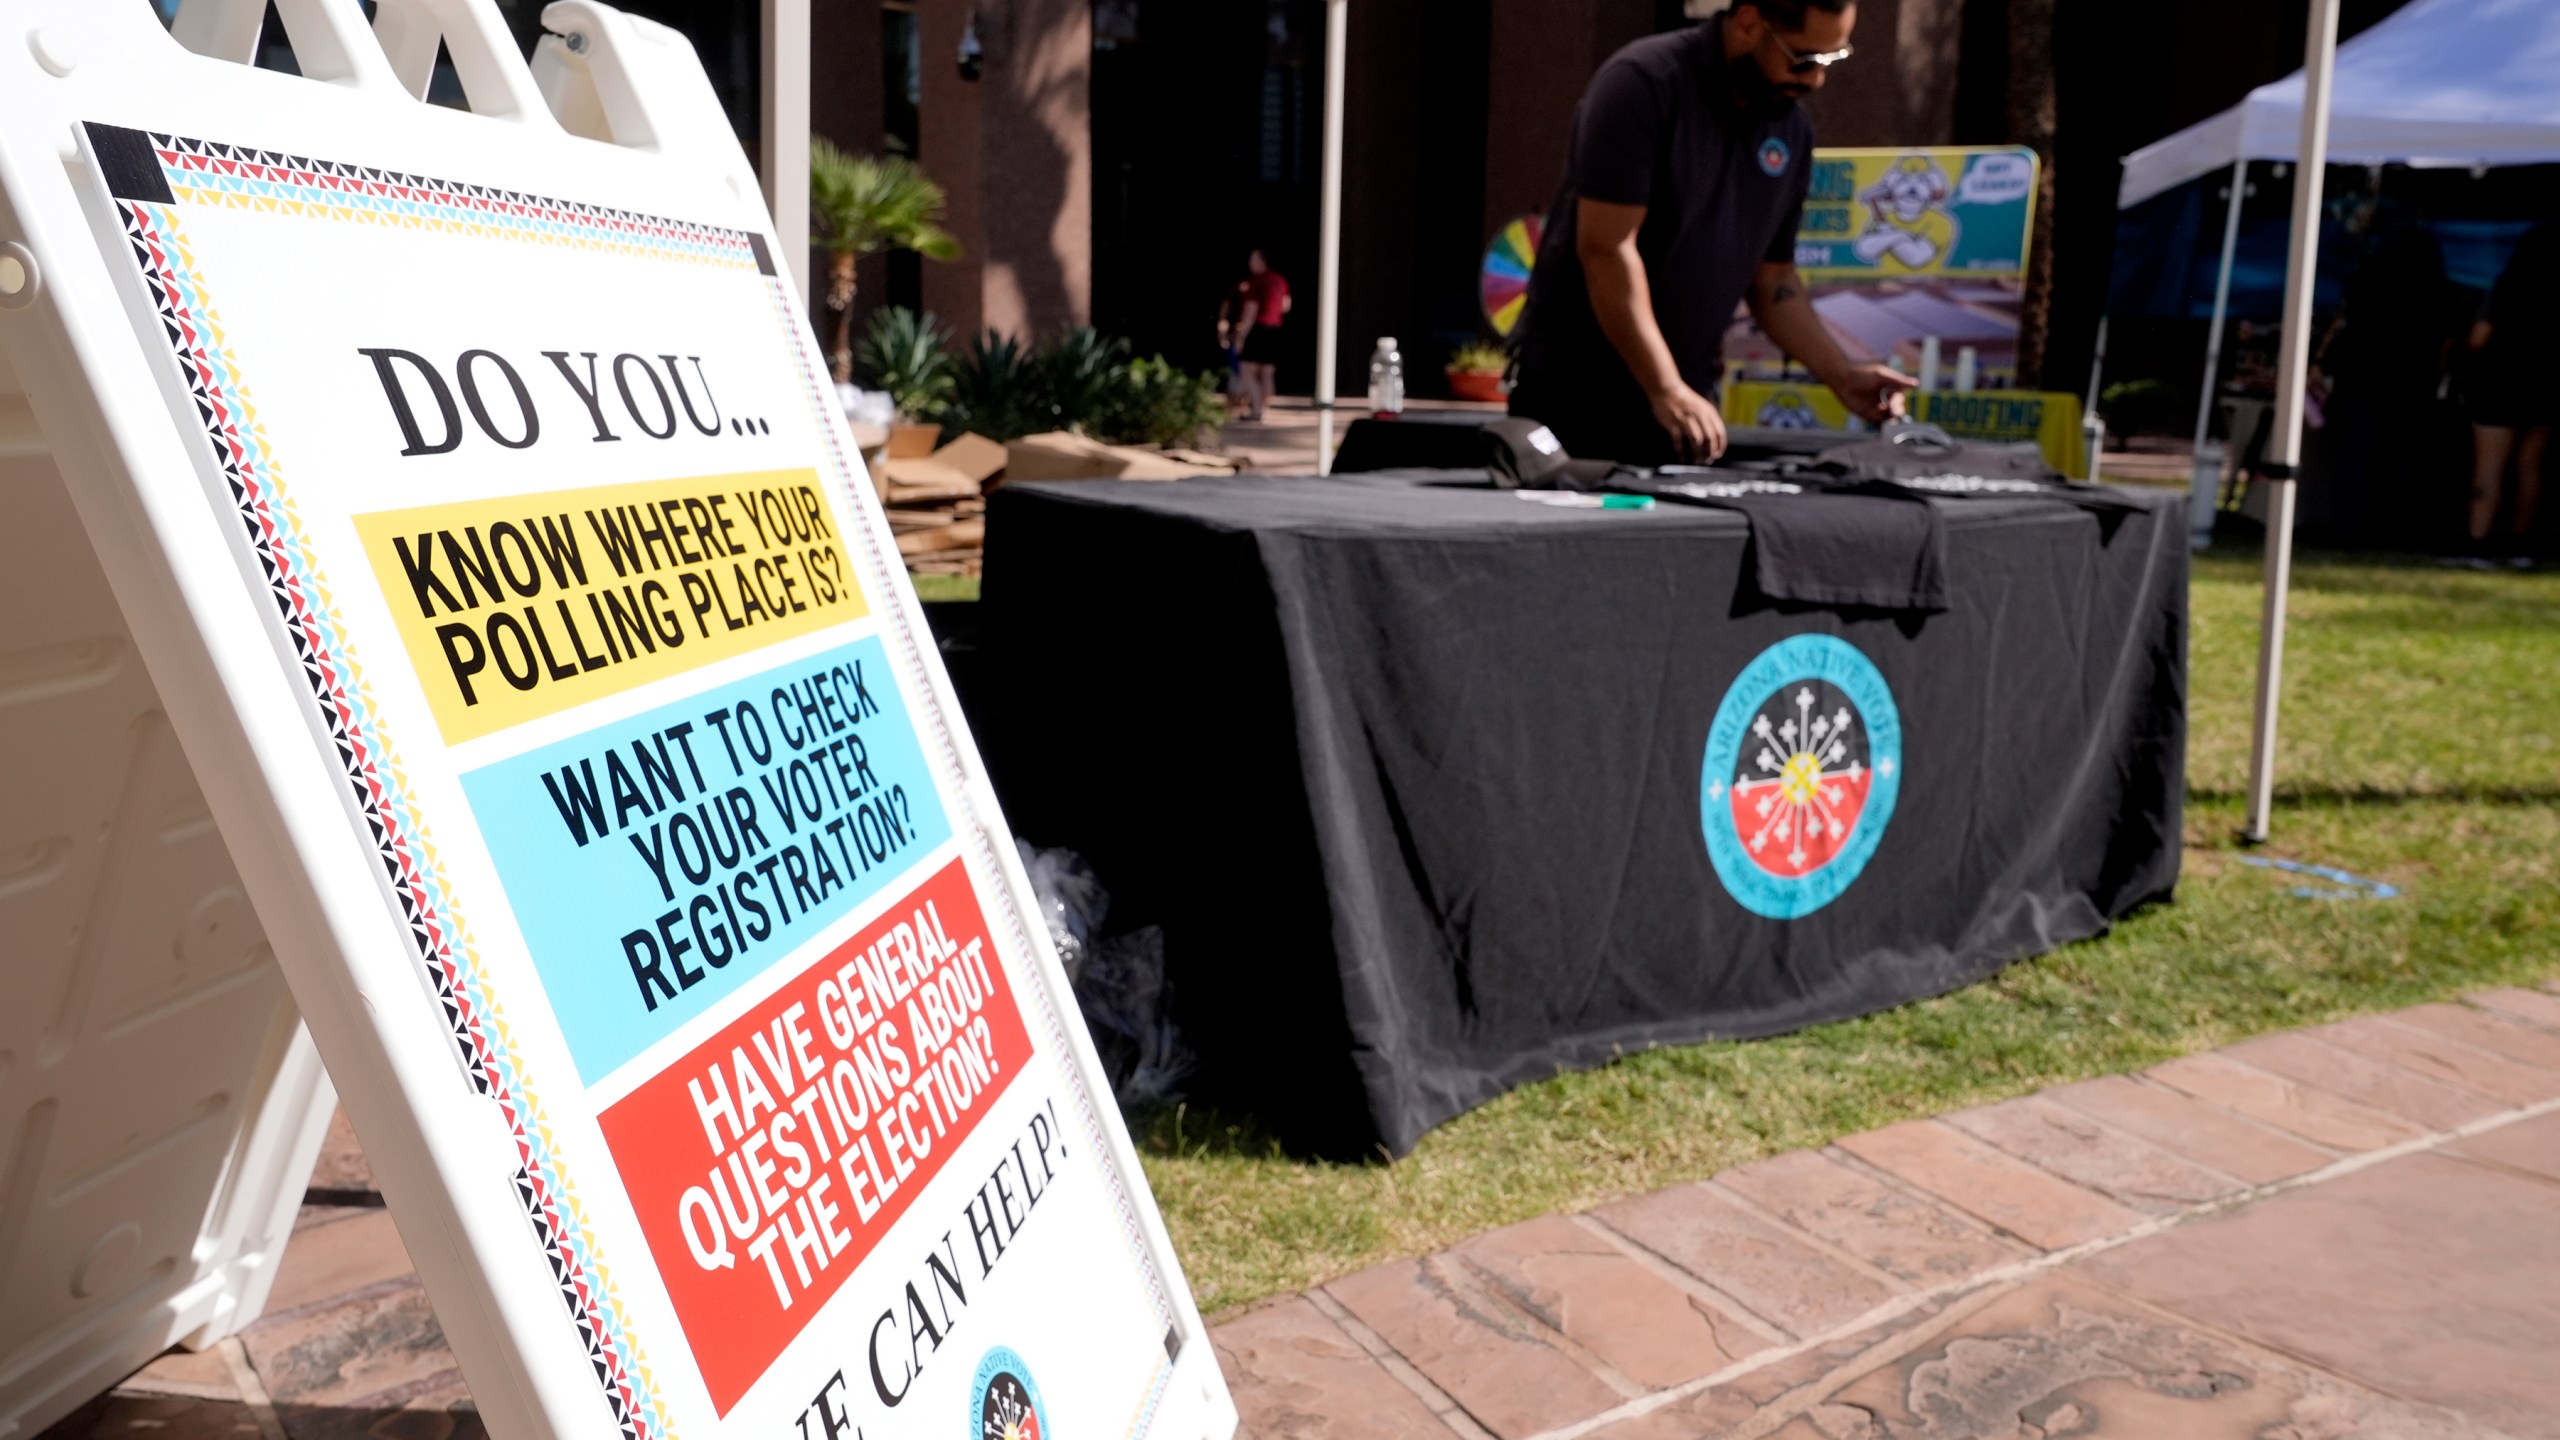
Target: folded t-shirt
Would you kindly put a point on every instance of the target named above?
(1923, 451)
(1951, 485)
(1963, 470)
(1822, 544)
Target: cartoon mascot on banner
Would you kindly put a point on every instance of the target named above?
(1908, 226)
(1788, 410)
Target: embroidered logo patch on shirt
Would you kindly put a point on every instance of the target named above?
(1774, 156)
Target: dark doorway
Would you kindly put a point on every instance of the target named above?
(1207, 136)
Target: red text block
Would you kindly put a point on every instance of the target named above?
(768, 1162)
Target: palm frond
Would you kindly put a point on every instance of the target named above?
(863, 204)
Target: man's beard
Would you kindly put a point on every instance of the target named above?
(1760, 97)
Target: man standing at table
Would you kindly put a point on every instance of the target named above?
(1682, 194)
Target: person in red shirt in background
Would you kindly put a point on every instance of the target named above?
(1249, 328)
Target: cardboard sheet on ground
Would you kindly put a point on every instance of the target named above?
(605, 799)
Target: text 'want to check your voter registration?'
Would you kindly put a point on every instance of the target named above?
(585, 593)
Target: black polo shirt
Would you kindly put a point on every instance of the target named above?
(1723, 192)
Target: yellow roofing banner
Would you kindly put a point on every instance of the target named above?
(1927, 212)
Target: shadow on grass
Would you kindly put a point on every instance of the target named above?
(2313, 794)
(1211, 1131)
(2228, 553)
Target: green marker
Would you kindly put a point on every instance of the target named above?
(1626, 502)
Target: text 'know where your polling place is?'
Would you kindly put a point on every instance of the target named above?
(520, 607)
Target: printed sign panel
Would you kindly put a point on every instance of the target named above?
(658, 864)
(1787, 405)
(575, 575)
(1903, 214)
(512, 614)
(768, 1161)
(2050, 420)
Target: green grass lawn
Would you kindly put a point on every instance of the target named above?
(933, 588)
(2420, 748)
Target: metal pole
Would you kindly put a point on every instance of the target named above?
(1337, 37)
(2301, 272)
(2097, 369)
(783, 138)
(2221, 302)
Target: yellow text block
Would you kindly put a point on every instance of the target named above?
(520, 607)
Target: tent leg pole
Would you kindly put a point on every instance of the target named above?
(1337, 37)
(2294, 364)
(2097, 369)
(784, 144)
(2271, 623)
(2221, 304)
(2204, 466)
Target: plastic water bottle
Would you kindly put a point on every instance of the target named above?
(1386, 379)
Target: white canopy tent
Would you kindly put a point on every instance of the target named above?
(2440, 82)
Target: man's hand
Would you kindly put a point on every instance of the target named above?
(1873, 393)
(1784, 309)
(1697, 431)
(1604, 239)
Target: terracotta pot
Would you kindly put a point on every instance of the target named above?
(910, 441)
(1475, 385)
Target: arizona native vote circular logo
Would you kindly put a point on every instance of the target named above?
(1803, 764)
(1004, 1401)
(1774, 156)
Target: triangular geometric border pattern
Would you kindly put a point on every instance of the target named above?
(207, 172)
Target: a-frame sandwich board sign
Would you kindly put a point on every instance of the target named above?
(482, 513)
(159, 1101)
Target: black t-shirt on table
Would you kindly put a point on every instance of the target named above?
(1724, 193)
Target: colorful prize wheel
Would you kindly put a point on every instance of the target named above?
(1503, 284)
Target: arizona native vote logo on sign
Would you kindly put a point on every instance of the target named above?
(1803, 765)
(1004, 1401)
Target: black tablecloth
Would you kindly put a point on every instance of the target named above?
(1414, 774)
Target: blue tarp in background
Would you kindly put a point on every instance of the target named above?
(2169, 248)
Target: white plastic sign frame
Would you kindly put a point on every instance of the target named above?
(478, 502)
(160, 1102)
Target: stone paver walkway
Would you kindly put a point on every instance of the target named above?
(2346, 1231)
(347, 1348)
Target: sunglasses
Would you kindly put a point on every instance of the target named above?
(1806, 64)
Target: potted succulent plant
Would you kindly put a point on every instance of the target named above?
(1475, 372)
(909, 355)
